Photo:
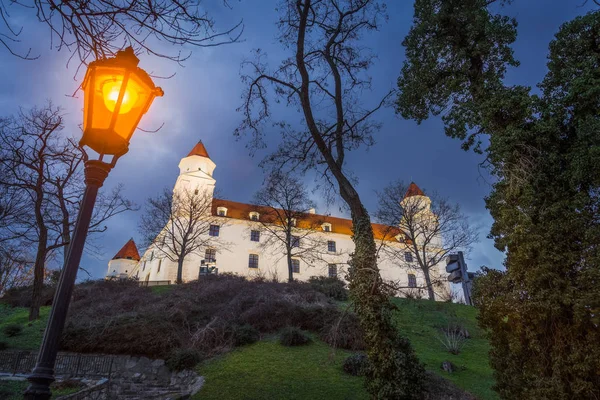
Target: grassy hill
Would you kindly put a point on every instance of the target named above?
(268, 370)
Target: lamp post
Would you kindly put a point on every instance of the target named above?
(117, 93)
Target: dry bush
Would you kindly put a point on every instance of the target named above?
(123, 318)
(344, 332)
(21, 296)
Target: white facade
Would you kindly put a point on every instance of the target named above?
(233, 254)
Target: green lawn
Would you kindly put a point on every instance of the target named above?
(13, 390)
(268, 370)
(31, 336)
(420, 320)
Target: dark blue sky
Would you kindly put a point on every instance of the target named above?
(200, 103)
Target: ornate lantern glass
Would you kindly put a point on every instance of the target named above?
(117, 93)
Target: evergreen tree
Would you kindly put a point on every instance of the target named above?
(543, 313)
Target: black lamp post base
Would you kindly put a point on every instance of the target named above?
(41, 379)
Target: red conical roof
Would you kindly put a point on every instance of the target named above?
(413, 190)
(199, 150)
(128, 251)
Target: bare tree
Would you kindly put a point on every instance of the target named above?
(432, 228)
(98, 28)
(177, 223)
(15, 267)
(43, 170)
(324, 78)
(286, 225)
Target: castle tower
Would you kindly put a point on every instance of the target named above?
(418, 205)
(123, 263)
(195, 171)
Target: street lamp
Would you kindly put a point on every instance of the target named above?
(116, 95)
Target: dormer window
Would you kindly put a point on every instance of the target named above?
(293, 222)
(326, 227)
(222, 211)
(254, 216)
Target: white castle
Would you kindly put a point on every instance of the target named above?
(244, 255)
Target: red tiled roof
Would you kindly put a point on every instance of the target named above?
(413, 190)
(309, 221)
(199, 150)
(129, 251)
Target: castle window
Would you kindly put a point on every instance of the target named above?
(129, 258)
(254, 216)
(295, 241)
(253, 261)
(221, 211)
(326, 227)
(330, 245)
(255, 236)
(332, 270)
(412, 280)
(196, 191)
(408, 257)
(210, 255)
(295, 266)
(214, 230)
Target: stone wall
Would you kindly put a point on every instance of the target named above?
(121, 377)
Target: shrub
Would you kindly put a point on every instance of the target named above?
(356, 364)
(115, 317)
(12, 330)
(3, 346)
(292, 336)
(452, 341)
(180, 359)
(344, 332)
(21, 296)
(245, 334)
(331, 287)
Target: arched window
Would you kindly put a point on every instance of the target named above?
(326, 227)
(222, 211)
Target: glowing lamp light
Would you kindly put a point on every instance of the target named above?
(117, 93)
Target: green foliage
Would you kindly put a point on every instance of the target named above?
(356, 364)
(245, 334)
(330, 286)
(180, 359)
(12, 330)
(292, 336)
(542, 313)
(32, 332)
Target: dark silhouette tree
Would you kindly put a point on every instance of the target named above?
(42, 169)
(324, 77)
(94, 29)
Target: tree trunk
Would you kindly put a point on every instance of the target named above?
(371, 303)
(430, 291)
(38, 275)
(180, 270)
(290, 267)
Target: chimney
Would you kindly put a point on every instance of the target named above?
(312, 211)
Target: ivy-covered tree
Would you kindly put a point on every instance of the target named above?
(543, 312)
